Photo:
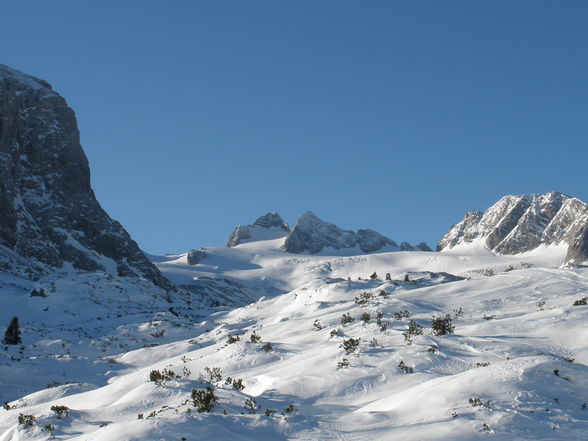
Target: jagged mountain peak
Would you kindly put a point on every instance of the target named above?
(311, 235)
(516, 224)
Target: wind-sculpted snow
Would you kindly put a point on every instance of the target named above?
(331, 358)
(48, 212)
(518, 224)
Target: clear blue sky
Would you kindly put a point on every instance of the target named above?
(396, 116)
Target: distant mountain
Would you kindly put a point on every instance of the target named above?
(311, 235)
(49, 216)
(266, 227)
(516, 224)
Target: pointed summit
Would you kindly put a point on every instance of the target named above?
(267, 227)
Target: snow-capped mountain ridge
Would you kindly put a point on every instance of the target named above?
(312, 235)
(518, 224)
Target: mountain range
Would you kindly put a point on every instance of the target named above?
(294, 332)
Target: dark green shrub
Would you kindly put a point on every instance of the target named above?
(250, 405)
(350, 345)
(581, 302)
(402, 315)
(267, 347)
(204, 400)
(255, 337)
(346, 319)
(442, 325)
(365, 317)
(405, 368)
(413, 329)
(363, 298)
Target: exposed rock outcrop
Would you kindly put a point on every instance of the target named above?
(49, 215)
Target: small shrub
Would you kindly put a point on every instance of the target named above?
(346, 319)
(413, 329)
(405, 368)
(269, 412)
(238, 384)
(388, 277)
(250, 405)
(49, 427)
(568, 359)
(267, 347)
(334, 332)
(458, 313)
(374, 276)
(317, 325)
(406, 278)
(213, 375)
(255, 337)
(233, 339)
(433, 349)
(509, 268)
(379, 317)
(383, 293)
(289, 409)
(488, 317)
(482, 364)
(60, 411)
(140, 416)
(486, 428)
(7, 406)
(365, 317)
(474, 402)
(402, 315)
(581, 302)
(343, 363)
(204, 400)
(541, 305)
(160, 377)
(442, 325)
(363, 298)
(373, 343)
(350, 345)
(26, 420)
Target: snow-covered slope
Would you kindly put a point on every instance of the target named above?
(517, 224)
(513, 368)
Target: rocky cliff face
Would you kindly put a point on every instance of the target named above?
(516, 224)
(48, 213)
(266, 227)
